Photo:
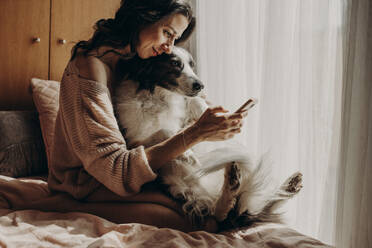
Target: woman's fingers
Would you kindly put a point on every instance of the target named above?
(244, 113)
(214, 127)
(218, 109)
(236, 130)
(239, 115)
(235, 120)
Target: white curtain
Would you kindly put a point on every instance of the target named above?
(307, 62)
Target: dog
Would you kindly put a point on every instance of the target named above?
(158, 98)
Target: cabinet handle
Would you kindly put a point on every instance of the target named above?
(61, 41)
(36, 40)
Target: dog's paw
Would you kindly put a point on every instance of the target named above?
(198, 208)
(293, 184)
(236, 220)
(234, 177)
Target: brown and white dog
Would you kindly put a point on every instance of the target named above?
(157, 99)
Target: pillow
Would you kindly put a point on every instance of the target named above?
(22, 150)
(46, 98)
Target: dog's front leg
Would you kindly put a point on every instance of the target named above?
(197, 202)
(195, 108)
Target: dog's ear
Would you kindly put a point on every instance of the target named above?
(146, 85)
(139, 70)
(122, 69)
(148, 72)
(134, 69)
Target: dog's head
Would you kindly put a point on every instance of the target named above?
(174, 72)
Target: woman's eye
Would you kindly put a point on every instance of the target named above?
(167, 33)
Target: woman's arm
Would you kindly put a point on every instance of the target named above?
(169, 149)
(209, 127)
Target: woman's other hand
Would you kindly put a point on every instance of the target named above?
(214, 126)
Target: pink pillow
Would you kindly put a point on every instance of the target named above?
(46, 98)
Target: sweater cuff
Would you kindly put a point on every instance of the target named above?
(142, 172)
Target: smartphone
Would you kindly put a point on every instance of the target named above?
(247, 105)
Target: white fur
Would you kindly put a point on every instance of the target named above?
(149, 118)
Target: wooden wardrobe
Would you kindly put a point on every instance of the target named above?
(36, 37)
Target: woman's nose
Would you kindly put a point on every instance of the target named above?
(168, 47)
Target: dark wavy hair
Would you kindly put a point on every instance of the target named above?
(132, 17)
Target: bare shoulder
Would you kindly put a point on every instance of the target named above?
(92, 68)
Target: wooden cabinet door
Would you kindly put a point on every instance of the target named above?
(72, 21)
(21, 58)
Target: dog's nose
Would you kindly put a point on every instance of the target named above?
(197, 86)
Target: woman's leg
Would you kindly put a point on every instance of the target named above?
(150, 206)
(144, 213)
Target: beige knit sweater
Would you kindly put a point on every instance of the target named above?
(88, 148)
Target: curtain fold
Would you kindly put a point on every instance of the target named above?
(309, 64)
(354, 220)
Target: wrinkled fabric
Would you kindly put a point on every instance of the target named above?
(33, 228)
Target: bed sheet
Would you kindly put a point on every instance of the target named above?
(34, 228)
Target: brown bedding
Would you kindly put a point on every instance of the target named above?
(34, 228)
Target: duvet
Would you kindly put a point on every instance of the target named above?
(35, 228)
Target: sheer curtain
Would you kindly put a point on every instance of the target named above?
(306, 61)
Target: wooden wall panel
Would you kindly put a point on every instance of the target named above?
(20, 57)
(72, 21)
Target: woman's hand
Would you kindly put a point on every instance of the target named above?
(212, 126)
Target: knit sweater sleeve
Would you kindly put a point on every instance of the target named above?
(95, 138)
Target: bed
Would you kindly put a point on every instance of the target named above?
(27, 220)
(20, 226)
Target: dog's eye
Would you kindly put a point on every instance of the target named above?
(176, 63)
(192, 64)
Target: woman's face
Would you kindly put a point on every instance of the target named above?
(160, 36)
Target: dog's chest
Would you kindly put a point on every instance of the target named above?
(161, 110)
(142, 113)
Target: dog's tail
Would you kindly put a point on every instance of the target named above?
(258, 191)
(217, 159)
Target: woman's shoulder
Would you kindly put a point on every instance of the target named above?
(92, 68)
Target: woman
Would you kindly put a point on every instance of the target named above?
(89, 158)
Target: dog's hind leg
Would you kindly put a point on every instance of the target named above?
(292, 185)
(287, 190)
(269, 213)
(230, 190)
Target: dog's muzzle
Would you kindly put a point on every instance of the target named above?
(197, 86)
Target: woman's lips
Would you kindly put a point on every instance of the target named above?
(154, 52)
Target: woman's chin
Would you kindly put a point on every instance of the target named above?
(146, 55)
(142, 56)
